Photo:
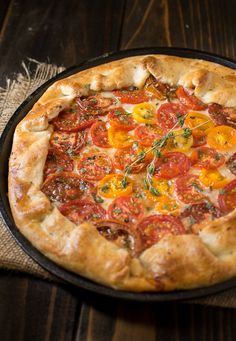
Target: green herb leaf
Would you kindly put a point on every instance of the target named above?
(154, 191)
(187, 132)
(124, 183)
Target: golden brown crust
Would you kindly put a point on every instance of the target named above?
(176, 262)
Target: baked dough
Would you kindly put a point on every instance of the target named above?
(177, 261)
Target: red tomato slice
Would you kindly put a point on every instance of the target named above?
(222, 116)
(79, 211)
(65, 186)
(207, 158)
(94, 166)
(146, 135)
(73, 119)
(131, 96)
(124, 157)
(191, 101)
(155, 227)
(123, 235)
(168, 114)
(199, 141)
(57, 162)
(95, 104)
(70, 143)
(227, 197)
(196, 213)
(126, 209)
(189, 189)
(99, 134)
(171, 165)
(120, 119)
(231, 163)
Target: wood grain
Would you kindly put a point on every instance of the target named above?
(66, 33)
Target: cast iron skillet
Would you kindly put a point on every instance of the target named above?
(5, 149)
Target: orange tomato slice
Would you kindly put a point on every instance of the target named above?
(179, 143)
(162, 186)
(167, 205)
(119, 138)
(222, 138)
(111, 186)
(212, 178)
(194, 119)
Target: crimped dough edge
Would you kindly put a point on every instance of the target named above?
(176, 262)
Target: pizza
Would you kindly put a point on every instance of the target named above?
(125, 173)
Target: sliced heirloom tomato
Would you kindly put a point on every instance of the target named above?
(94, 166)
(66, 186)
(131, 96)
(201, 121)
(222, 138)
(179, 142)
(191, 101)
(123, 235)
(208, 158)
(155, 227)
(113, 186)
(147, 134)
(124, 157)
(57, 162)
(222, 116)
(79, 211)
(99, 134)
(189, 189)
(227, 197)
(167, 205)
(168, 115)
(70, 143)
(171, 165)
(196, 213)
(212, 178)
(96, 104)
(160, 186)
(159, 90)
(119, 138)
(144, 113)
(120, 119)
(126, 209)
(231, 164)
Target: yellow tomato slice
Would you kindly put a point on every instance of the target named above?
(194, 119)
(119, 138)
(162, 186)
(179, 143)
(151, 89)
(167, 205)
(111, 186)
(212, 178)
(222, 138)
(144, 113)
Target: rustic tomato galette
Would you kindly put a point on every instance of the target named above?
(125, 173)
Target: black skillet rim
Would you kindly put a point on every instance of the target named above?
(47, 264)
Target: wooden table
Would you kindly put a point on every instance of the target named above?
(65, 33)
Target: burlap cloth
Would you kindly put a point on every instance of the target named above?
(12, 257)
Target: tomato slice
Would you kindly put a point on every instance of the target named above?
(65, 186)
(222, 138)
(123, 235)
(112, 186)
(212, 178)
(198, 141)
(196, 213)
(131, 96)
(126, 209)
(120, 119)
(203, 122)
(222, 116)
(96, 104)
(231, 163)
(94, 166)
(147, 134)
(167, 205)
(144, 113)
(79, 211)
(119, 138)
(160, 186)
(171, 165)
(155, 227)
(159, 90)
(57, 162)
(179, 142)
(99, 134)
(189, 189)
(168, 114)
(124, 157)
(227, 197)
(191, 101)
(70, 143)
(208, 158)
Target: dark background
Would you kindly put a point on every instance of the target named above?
(66, 33)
